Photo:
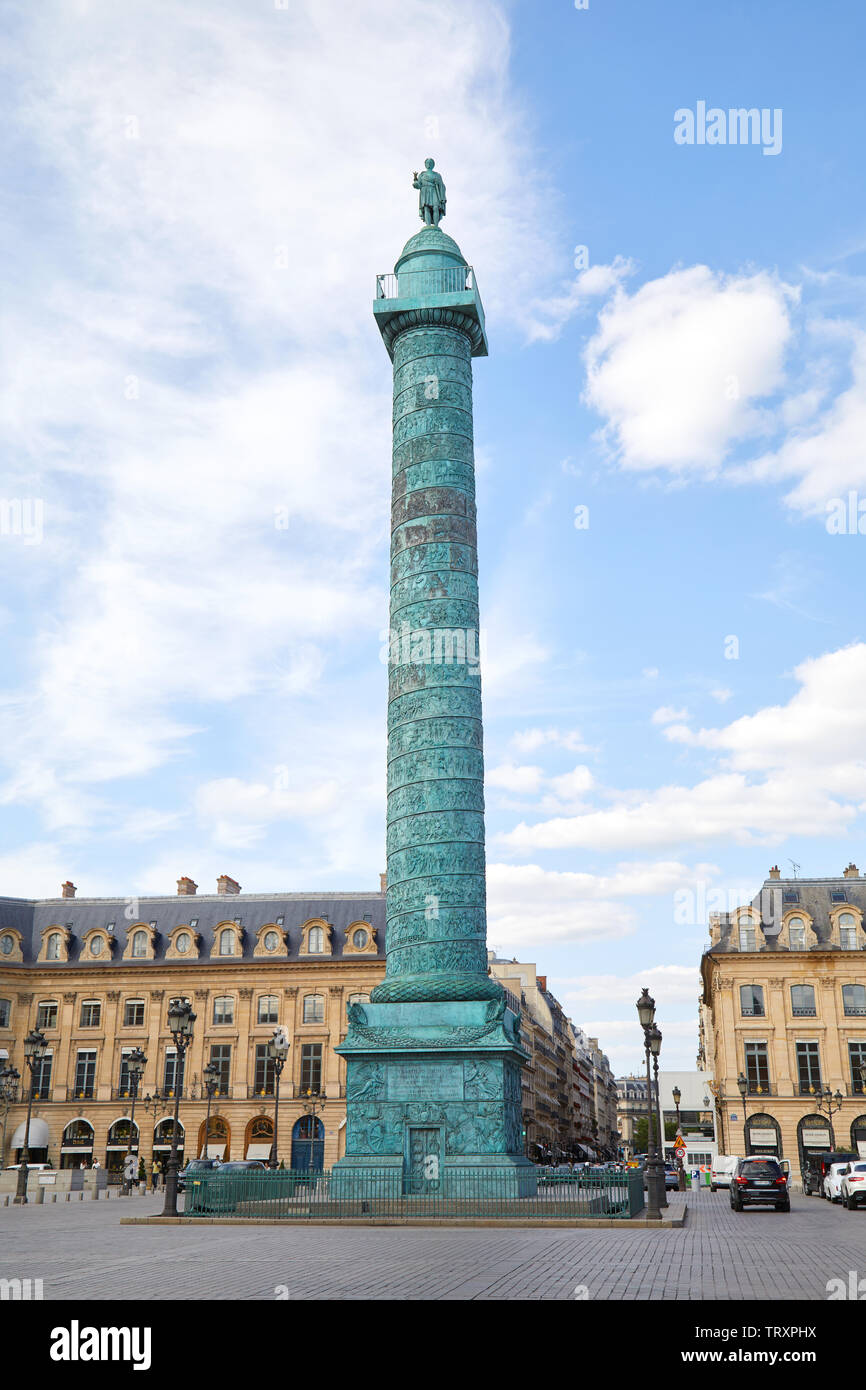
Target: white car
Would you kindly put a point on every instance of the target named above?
(854, 1185)
(723, 1168)
(833, 1181)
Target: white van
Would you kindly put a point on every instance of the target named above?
(723, 1169)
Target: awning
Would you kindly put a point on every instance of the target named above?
(258, 1151)
(160, 1148)
(218, 1150)
(39, 1135)
(120, 1148)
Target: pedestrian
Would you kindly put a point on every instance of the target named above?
(95, 1163)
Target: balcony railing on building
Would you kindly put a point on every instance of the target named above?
(415, 284)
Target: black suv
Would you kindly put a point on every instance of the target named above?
(759, 1182)
(195, 1165)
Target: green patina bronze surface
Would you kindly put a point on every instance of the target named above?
(434, 1059)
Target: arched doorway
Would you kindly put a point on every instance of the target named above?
(858, 1136)
(308, 1144)
(117, 1145)
(814, 1136)
(218, 1138)
(259, 1138)
(162, 1142)
(76, 1146)
(763, 1136)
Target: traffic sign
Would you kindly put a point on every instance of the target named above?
(680, 1152)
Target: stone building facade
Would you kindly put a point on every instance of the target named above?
(784, 1006)
(96, 975)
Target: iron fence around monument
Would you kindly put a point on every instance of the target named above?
(470, 1194)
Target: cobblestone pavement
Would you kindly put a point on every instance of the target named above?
(81, 1251)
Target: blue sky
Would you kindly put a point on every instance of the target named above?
(196, 416)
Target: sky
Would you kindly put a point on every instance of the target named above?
(195, 422)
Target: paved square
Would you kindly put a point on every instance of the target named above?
(81, 1251)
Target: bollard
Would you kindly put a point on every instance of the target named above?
(81, 1195)
(39, 1197)
(54, 1196)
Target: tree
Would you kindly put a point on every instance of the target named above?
(641, 1144)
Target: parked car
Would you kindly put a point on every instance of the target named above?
(196, 1165)
(40, 1167)
(832, 1188)
(242, 1165)
(853, 1186)
(759, 1181)
(817, 1166)
(723, 1168)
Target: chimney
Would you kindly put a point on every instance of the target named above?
(851, 872)
(774, 872)
(541, 981)
(186, 888)
(67, 889)
(227, 885)
(383, 882)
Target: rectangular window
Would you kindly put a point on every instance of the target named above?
(124, 1085)
(747, 938)
(224, 1009)
(757, 1068)
(85, 1075)
(751, 1001)
(91, 1013)
(311, 1067)
(172, 1077)
(269, 1009)
(857, 1054)
(803, 1001)
(314, 1008)
(5, 1013)
(797, 936)
(848, 938)
(854, 1000)
(133, 1013)
(808, 1068)
(46, 1016)
(264, 1082)
(42, 1078)
(221, 1056)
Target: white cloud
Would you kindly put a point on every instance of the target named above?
(512, 778)
(797, 768)
(554, 313)
(528, 740)
(677, 369)
(666, 714)
(528, 905)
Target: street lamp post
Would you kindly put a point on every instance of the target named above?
(9, 1078)
(34, 1050)
(828, 1102)
(211, 1078)
(646, 1009)
(135, 1065)
(278, 1051)
(180, 1022)
(655, 1042)
(681, 1172)
(743, 1088)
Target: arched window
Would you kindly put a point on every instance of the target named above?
(314, 1008)
(358, 999)
(139, 943)
(76, 1145)
(53, 950)
(848, 932)
(259, 1138)
(797, 934)
(162, 1141)
(218, 1141)
(315, 941)
(224, 1009)
(227, 942)
(360, 939)
(269, 1009)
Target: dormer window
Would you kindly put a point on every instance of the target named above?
(797, 934)
(52, 950)
(848, 932)
(139, 944)
(315, 941)
(747, 938)
(96, 946)
(227, 943)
